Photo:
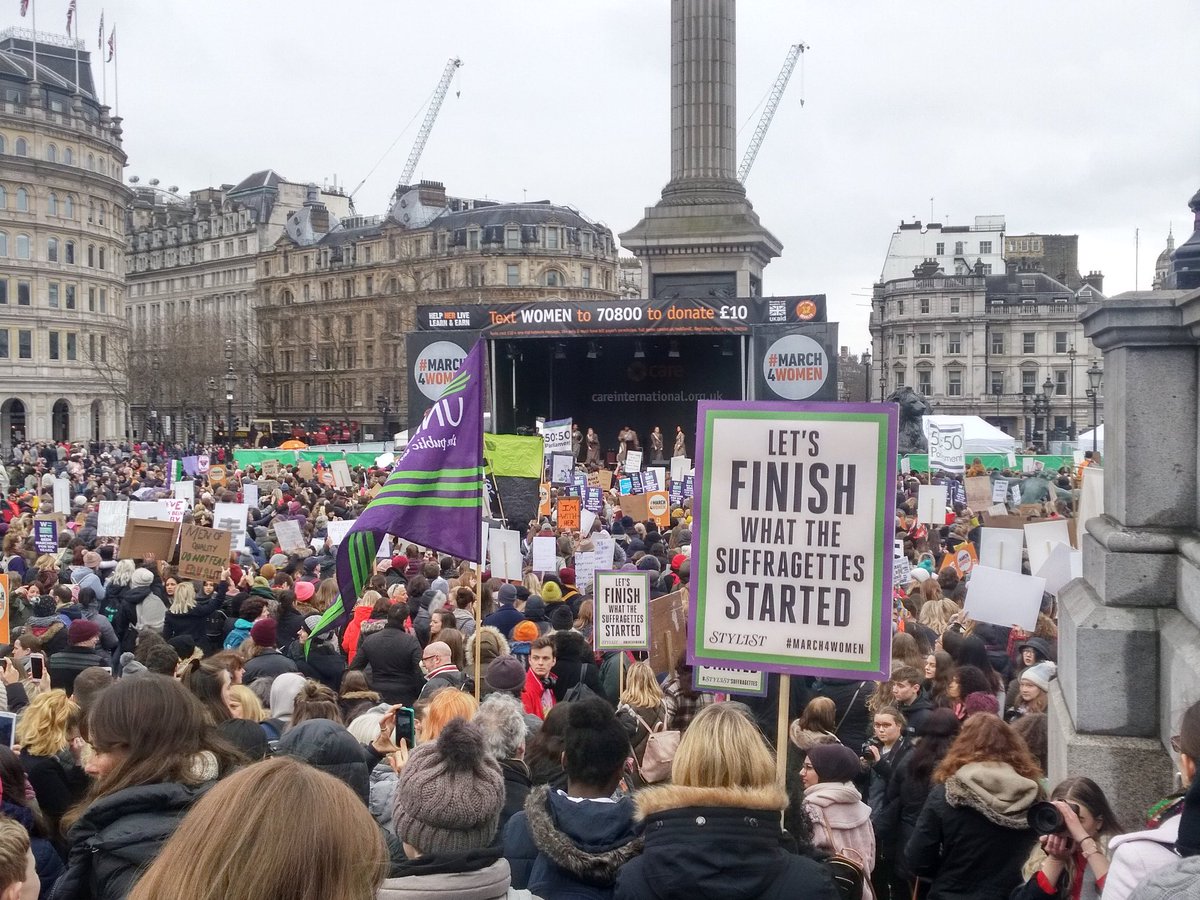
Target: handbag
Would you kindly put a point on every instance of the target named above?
(659, 752)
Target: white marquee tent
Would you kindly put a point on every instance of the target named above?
(978, 436)
(1084, 441)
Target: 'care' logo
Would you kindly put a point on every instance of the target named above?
(795, 367)
(435, 366)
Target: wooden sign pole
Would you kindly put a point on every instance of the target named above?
(781, 728)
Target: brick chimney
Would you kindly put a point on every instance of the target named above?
(1096, 280)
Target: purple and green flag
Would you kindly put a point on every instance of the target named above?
(434, 496)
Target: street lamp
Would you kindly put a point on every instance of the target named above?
(1025, 404)
(1095, 380)
(384, 408)
(866, 368)
(1047, 392)
(1071, 418)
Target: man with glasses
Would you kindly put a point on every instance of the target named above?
(440, 671)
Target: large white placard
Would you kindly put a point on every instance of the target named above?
(792, 561)
(185, 490)
(504, 554)
(1041, 537)
(1000, 490)
(62, 496)
(633, 461)
(250, 494)
(946, 448)
(931, 504)
(585, 569)
(680, 466)
(287, 533)
(1062, 565)
(336, 530)
(110, 522)
(1000, 548)
(545, 554)
(605, 546)
(1091, 501)
(341, 473)
(149, 509)
(1004, 598)
(621, 610)
(231, 517)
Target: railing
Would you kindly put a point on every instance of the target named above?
(42, 37)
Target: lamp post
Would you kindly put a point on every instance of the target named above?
(1047, 392)
(1095, 380)
(212, 408)
(1025, 404)
(866, 370)
(384, 405)
(1071, 416)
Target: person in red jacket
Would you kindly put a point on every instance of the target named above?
(538, 696)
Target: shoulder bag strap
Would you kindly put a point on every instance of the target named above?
(853, 700)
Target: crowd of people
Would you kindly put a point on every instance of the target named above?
(458, 736)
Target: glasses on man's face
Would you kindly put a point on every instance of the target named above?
(1175, 744)
(426, 659)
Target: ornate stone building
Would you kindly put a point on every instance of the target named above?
(191, 269)
(62, 334)
(338, 296)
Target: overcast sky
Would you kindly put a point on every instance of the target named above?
(1070, 116)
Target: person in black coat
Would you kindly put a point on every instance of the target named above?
(189, 612)
(502, 721)
(321, 661)
(392, 657)
(289, 620)
(573, 665)
(267, 661)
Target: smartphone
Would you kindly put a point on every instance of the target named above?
(37, 666)
(405, 727)
(8, 728)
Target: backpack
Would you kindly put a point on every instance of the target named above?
(214, 625)
(660, 750)
(580, 691)
(848, 873)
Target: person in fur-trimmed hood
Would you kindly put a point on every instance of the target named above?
(973, 836)
(572, 845)
(715, 832)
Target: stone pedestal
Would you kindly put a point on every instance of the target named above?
(1129, 630)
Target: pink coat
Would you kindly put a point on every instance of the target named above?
(1134, 856)
(842, 822)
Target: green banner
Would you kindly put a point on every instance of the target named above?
(919, 462)
(256, 458)
(513, 455)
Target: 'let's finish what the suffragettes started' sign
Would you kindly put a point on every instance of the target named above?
(792, 567)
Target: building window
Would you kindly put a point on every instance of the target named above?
(986, 269)
(22, 200)
(925, 381)
(954, 382)
(958, 248)
(4, 343)
(52, 204)
(985, 247)
(1060, 382)
(554, 278)
(941, 248)
(54, 345)
(92, 302)
(955, 304)
(585, 276)
(924, 344)
(443, 278)
(347, 287)
(996, 385)
(52, 294)
(101, 258)
(70, 296)
(348, 326)
(924, 306)
(69, 156)
(21, 148)
(1029, 381)
(1029, 342)
(512, 239)
(1060, 342)
(104, 348)
(954, 342)
(22, 246)
(24, 344)
(551, 238)
(900, 379)
(52, 250)
(3, 292)
(899, 307)
(473, 239)
(901, 347)
(513, 275)
(475, 276)
(72, 346)
(70, 253)
(24, 293)
(91, 256)
(104, 301)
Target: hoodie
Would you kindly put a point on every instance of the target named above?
(239, 633)
(567, 849)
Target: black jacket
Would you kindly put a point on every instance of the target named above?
(393, 657)
(517, 786)
(916, 712)
(65, 665)
(58, 782)
(573, 664)
(267, 665)
(118, 836)
(195, 622)
(972, 837)
(323, 663)
(714, 842)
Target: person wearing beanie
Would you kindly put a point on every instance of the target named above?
(570, 593)
(551, 594)
(504, 675)
(525, 633)
(561, 617)
(87, 574)
(265, 659)
(535, 612)
(320, 659)
(81, 653)
(506, 616)
(573, 843)
(449, 798)
(840, 819)
(1033, 691)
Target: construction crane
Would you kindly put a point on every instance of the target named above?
(431, 114)
(781, 83)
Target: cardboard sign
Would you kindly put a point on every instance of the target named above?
(605, 478)
(562, 468)
(636, 506)
(287, 533)
(568, 513)
(45, 534)
(147, 538)
(270, 468)
(110, 521)
(999, 490)
(217, 476)
(1000, 548)
(668, 630)
(633, 461)
(305, 470)
(545, 554)
(742, 682)
(931, 504)
(622, 611)
(504, 552)
(341, 474)
(544, 499)
(979, 491)
(203, 552)
(1004, 598)
(592, 480)
(658, 508)
(778, 477)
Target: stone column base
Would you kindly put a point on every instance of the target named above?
(1133, 772)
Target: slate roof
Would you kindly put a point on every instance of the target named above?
(266, 178)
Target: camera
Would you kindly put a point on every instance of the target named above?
(1044, 817)
(873, 742)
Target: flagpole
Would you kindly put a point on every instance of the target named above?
(33, 7)
(75, 39)
(112, 42)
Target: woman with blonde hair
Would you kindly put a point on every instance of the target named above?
(48, 733)
(325, 594)
(253, 836)
(533, 584)
(937, 614)
(244, 704)
(583, 620)
(716, 828)
(641, 710)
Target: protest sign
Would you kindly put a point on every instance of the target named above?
(587, 519)
(605, 547)
(906, 466)
(689, 485)
(62, 495)
(217, 476)
(650, 480)
(110, 521)
(901, 570)
(637, 483)
(743, 682)
(5, 611)
(270, 468)
(147, 538)
(1091, 501)
(624, 486)
(385, 460)
(148, 509)
(341, 474)
(622, 610)
(979, 491)
(562, 468)
(1000, 548)
(931, 504)
(544, 498)
(633, 461)
(1040, 538)
(231, 517)
(636, 506)
(45, 534)
(585, 568)
(606, 479)
(185, 491)
(962, 559)
(202, 464)
(593, 499)
(175, 510)
(660, 478)
(1004, 598)
(556, 436)
(658, 508)
(336, 530)
(946, 447)
(504, 551)
(592, 479)
(1060, 567)
(680, 466)
(203, 552)
(568, 513)
(287, 533)
(999, 490)
(250, 494)
(668, 630)
(545, 554)
(304, 469)
(1029, 465)
(1015, 492)
(791, 571)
